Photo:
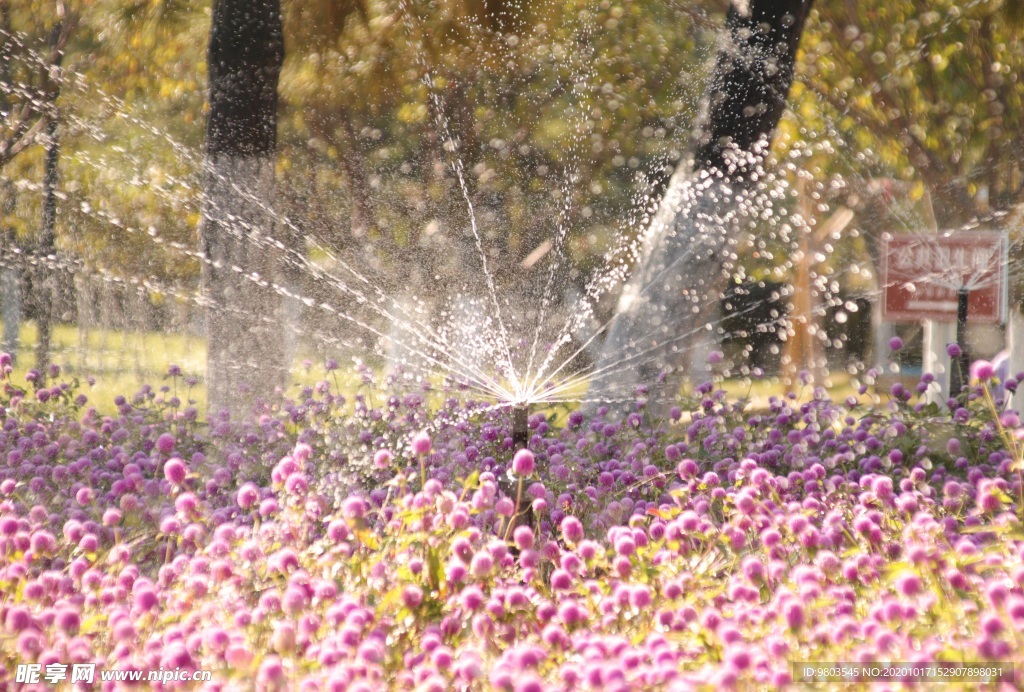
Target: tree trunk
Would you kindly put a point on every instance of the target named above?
(666, 307)
(10, 306)
(47, 276)
(11, 299)
(245, 351)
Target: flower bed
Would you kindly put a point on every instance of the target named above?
(321, 547)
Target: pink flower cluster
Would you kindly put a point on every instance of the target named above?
(303, 550)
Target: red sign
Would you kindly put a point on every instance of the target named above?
(922, 274)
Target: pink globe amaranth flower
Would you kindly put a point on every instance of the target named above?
(909, 584)
(561, 580)
(18, 619)
(111, 517)
(271, 671)
(293, 601)
(523, 463)
(481, 565)
(84, 497)
(412, 596)
(302, 452)
(422, 444)
(43, 542)
(625, 546)
(523, 537)
(146, 599)
(238, 656)
(572, 529)
(165, 443)
(175, 471)
(337, 531)
(982, 370)
(753, 568)
(793, 612)
(354, 508)
(296, 484)
(68, 620)
(989, 501)
(505, 507)
(382, 459)
(186, 504)
(247, 496)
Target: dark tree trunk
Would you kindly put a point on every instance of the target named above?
(246, 356)
(663, 317)
(10, 261)
(47, 282)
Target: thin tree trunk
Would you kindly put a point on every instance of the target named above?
(673, 293)
(10, 262)
(246, 354)
(47, 286)
(11, 299)
(10, 305)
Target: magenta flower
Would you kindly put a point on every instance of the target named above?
(165, 443)
(175, 471)
(982, 370)
(422, 444)
(523, 463)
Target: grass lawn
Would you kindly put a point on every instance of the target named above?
(121, 362)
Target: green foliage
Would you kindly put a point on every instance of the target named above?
(526, 95)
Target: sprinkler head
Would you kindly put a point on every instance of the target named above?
(520, 427)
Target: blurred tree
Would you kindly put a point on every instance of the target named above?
(46, 288)
(928, 90)
(689, 253)
(32, 50)
(917, 111)
(237, 234)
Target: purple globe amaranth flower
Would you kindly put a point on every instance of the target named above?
(523, 463)
(954, 351)
(895, 343)
(165, 443)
